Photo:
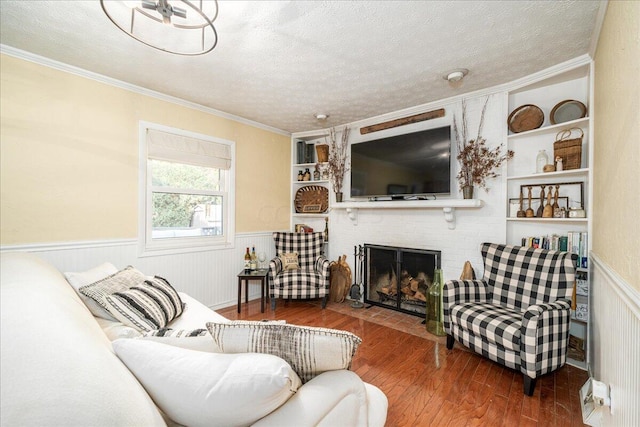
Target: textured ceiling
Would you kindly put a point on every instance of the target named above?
(280, 62)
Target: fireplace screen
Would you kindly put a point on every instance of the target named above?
(398, 278)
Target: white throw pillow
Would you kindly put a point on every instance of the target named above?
(310, 351)
(114, 329)
(196, 388)
(195, 339)
(80, 279)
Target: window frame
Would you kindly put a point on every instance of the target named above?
(147, 245)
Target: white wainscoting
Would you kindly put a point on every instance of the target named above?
(616, 343)
(208, 276)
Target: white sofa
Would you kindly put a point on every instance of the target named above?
(58, 365)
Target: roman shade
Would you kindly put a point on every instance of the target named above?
(197, 152)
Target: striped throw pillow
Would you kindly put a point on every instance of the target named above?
(117, 282)
(310, 351)
(177, 333)
(195, 339)
(146, 306)
(164, 286)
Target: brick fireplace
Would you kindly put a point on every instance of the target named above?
(398, 278)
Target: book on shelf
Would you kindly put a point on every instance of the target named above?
(575, 242)
(581, 312)
(582, 286)
(304, 152)
(300, 152)
(303, 228)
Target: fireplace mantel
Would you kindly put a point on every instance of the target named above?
(448, 207)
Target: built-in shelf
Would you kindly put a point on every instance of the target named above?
(307, 165)
(448, 207)
(317, 181)
(567, 173)
(550, 220)
(573, 82)
(577, 364)
(551, 128)
(310, 215)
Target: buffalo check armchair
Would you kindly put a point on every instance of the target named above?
(310, 278)
(518, 314)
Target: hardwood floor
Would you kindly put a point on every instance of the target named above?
(426, 384)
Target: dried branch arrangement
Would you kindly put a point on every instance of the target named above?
(477, 162)
(338, 162)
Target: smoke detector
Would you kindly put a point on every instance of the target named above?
(322, 116)
(456, 75)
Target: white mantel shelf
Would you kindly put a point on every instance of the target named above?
(448, 207)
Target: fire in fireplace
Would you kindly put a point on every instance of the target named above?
(398, 278)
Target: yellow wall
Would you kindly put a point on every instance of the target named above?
(69, 158)
(616, 221)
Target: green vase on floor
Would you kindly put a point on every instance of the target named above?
(435, 316)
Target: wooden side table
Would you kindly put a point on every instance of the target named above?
(263, 276)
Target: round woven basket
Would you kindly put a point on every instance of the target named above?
(524, 118)
(322, 151)
(312, 199)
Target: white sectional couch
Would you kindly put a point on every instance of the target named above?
(59, 367)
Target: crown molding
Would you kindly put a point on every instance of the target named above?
(60, 66)
(571, 64)
(441, 103)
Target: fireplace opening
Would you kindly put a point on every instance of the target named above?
(399, 278)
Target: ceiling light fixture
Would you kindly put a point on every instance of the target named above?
(176, 26)
(456, 75)
(322, 116)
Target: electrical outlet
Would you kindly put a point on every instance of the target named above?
(601, 393)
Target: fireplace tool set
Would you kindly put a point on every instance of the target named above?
(355, 292)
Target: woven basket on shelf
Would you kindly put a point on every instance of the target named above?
(322, 152)
(568, 148)
(312, 199)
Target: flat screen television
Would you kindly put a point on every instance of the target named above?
(402, 166)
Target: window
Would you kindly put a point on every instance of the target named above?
(187, 191)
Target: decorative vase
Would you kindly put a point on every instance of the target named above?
(322, 151)
(467, 192)
(435, 315)
(339, 197)
(541, 161)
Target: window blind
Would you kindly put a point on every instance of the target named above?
(177, 148)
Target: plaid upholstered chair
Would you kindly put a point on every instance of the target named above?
(300, 276)
(518, 314)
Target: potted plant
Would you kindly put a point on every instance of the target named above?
(477, 161)
(337, 164)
